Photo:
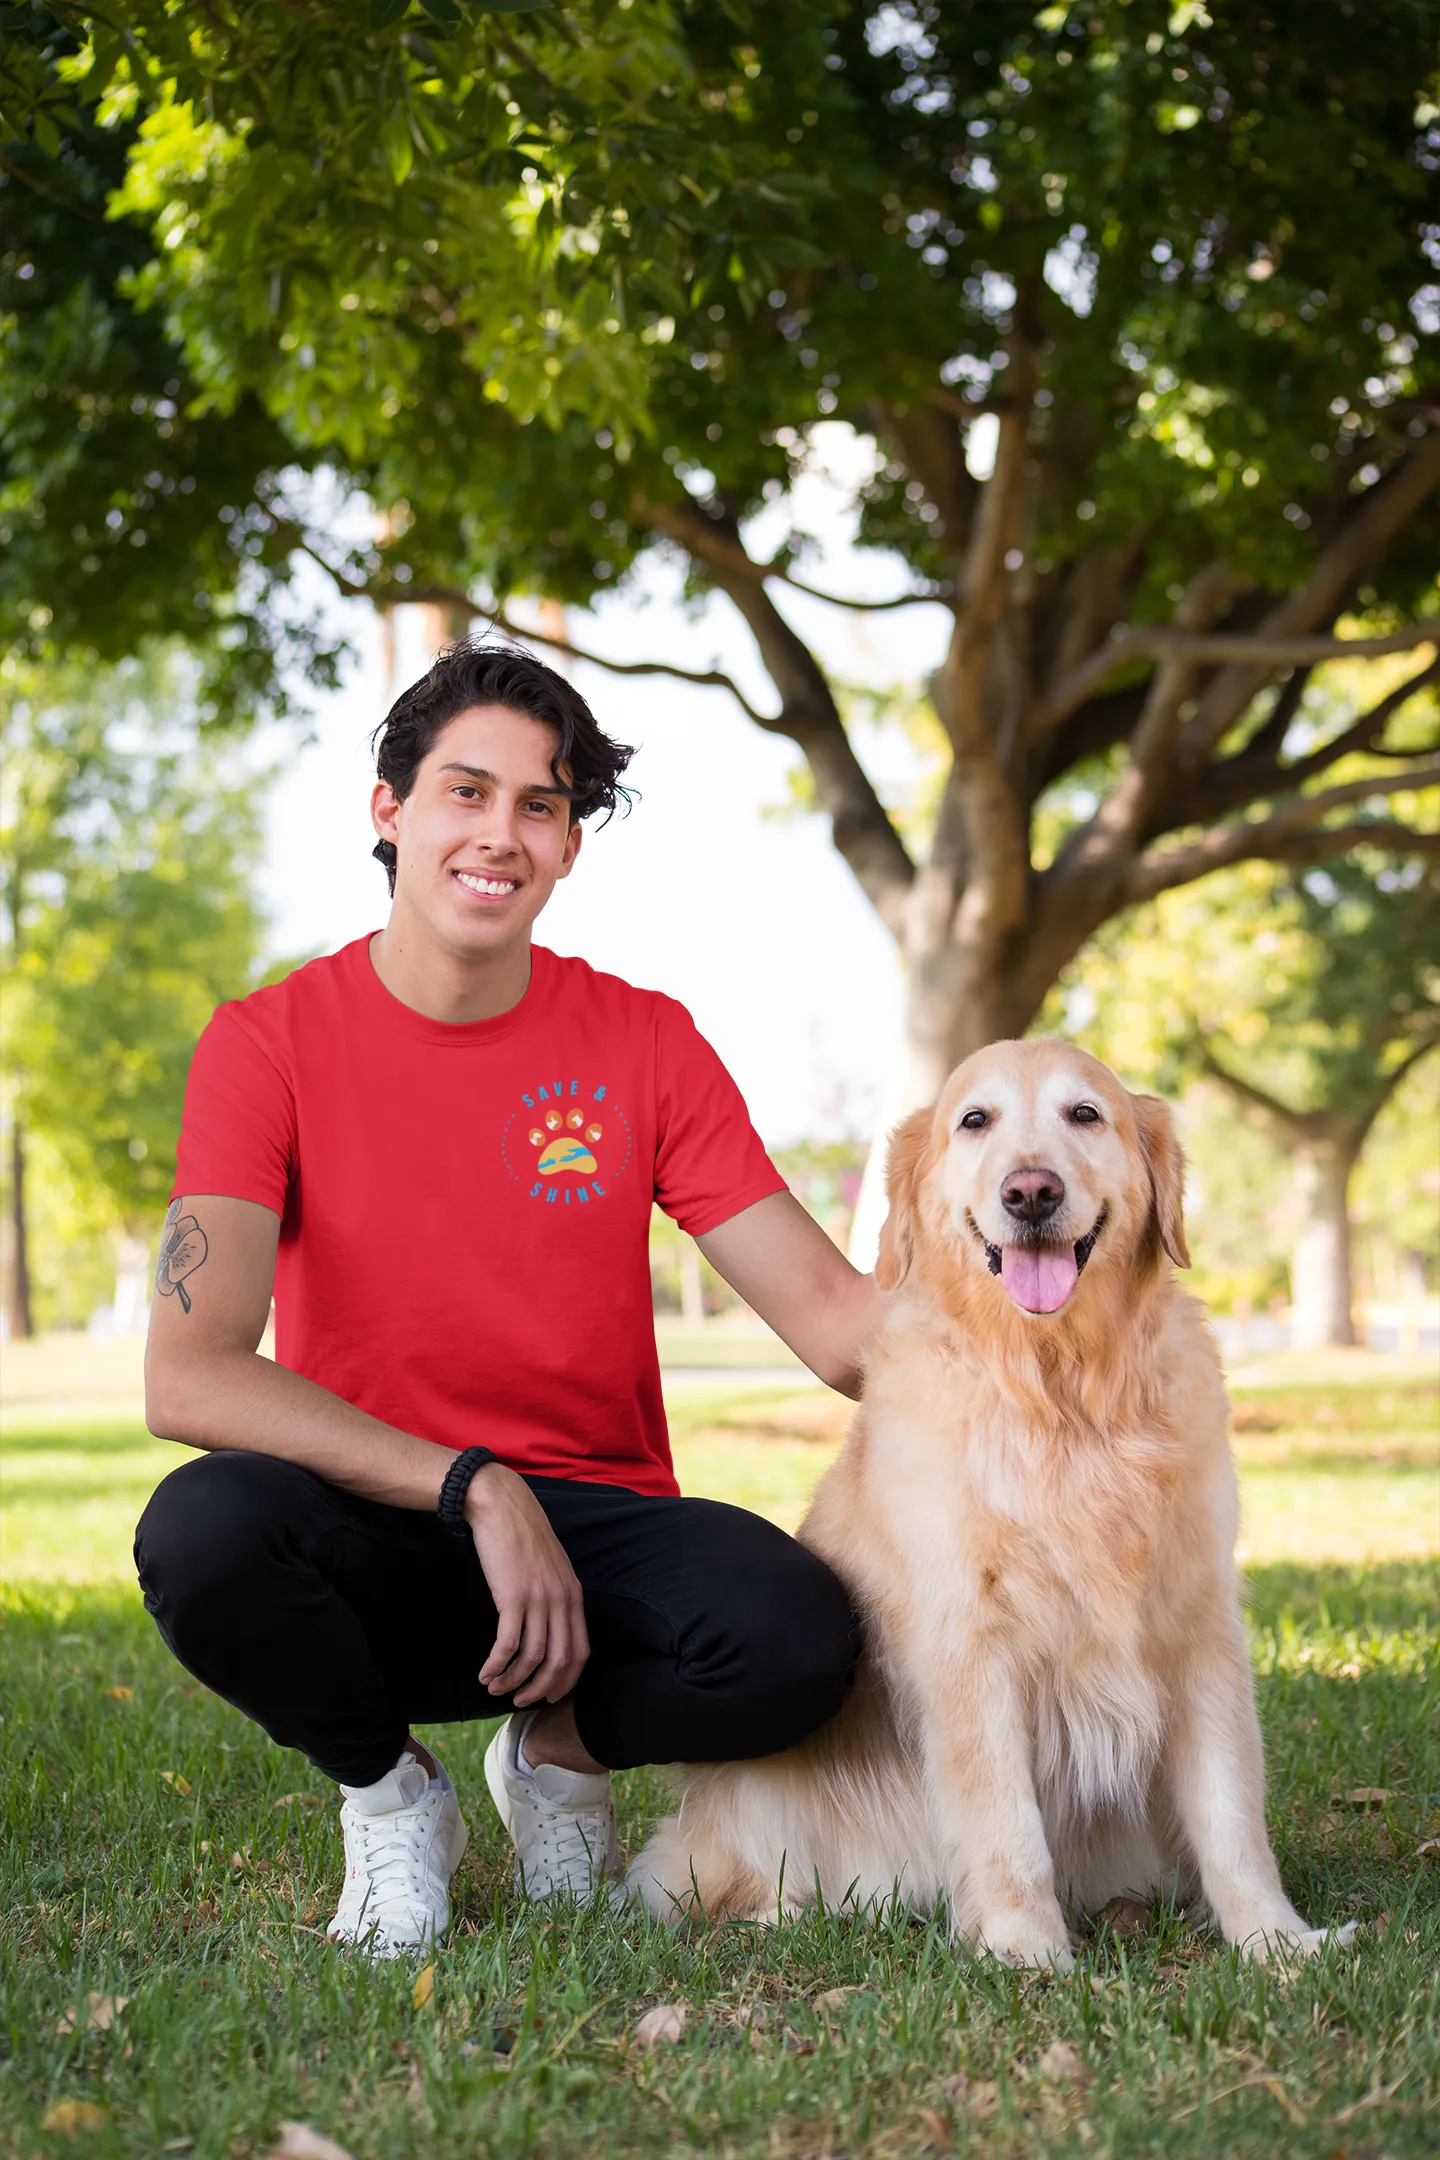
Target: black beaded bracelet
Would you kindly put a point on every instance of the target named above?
(450, 1507)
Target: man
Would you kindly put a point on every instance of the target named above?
(451, 1493)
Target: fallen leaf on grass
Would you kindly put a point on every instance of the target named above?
(1362, 1796)
(1430, 1850)
(1062, 2064)
(173, 1777)
(1380, 1925)
(835, 1998)
(299, 2142)
(101, 2012)
(979, 2097)
(423, 1992)
(123, 1694)
(67, 2118)
(663, 2024)
(934, 2131)
(308, 1800)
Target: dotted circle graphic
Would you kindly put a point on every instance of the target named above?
(522, 1167)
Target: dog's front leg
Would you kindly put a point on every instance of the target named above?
(1215, 1773)
(987, 1821)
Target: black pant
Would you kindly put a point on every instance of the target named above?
(337, 1623)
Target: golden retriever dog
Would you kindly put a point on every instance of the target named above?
(1035, 1513)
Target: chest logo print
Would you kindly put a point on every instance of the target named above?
(567, 1143)
(568, 1149)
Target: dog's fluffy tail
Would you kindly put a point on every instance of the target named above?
(685, 1872)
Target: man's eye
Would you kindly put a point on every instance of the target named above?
(1085, 1113)
(975, 1121)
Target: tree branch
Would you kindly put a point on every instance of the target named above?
(939, 593)
(1360, 543)
(1246, 778)
(860, 824)
(1288, 836)
(1301, 1125)
(390, 593)
(997, 889)
(1139, 640)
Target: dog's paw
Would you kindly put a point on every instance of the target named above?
(1275, 1945)
(1028, 1943)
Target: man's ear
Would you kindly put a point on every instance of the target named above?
(572, 848)
(385, 811)
(1166, 1164)
(902, 1186)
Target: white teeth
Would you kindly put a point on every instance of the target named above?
(485, 885)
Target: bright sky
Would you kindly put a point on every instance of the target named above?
(752, 922)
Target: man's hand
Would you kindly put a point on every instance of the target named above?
(540, 1644)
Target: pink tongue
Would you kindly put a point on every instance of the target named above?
(1039, 1278)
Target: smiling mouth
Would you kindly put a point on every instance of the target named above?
(1039, 1277)
(484, 888)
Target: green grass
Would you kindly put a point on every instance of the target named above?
(206, 1907)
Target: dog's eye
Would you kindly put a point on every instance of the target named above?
(975, 1121)
(1085, 1113)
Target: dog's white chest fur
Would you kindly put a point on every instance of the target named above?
(1041, 1554)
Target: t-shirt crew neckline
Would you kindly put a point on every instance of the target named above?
(394, 1013)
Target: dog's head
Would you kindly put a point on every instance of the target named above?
(1034, 1167)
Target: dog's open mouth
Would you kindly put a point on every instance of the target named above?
(1041, 1278)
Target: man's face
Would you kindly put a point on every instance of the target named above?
(483, 834)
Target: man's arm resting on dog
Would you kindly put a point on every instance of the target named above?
(790, 1272)
(207, 1385)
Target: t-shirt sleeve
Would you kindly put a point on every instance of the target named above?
(237, 1133)
(709, 1160)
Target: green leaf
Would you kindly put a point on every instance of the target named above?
(399, 146)
(446, 15)
(381, 13)
(512, 7)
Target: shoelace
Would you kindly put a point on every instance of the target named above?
(571, 1840)
(390, 1848)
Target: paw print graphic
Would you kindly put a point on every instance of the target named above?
(572, 1146)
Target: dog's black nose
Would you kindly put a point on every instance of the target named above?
(1032, 1196)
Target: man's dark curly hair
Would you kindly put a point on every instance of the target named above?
(587, 763)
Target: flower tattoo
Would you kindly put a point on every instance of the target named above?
(183, 1247)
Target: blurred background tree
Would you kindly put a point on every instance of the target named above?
(462, 302)
(564, 288)
(1307, 999)
(128, 844)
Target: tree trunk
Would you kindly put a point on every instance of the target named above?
(1320, 1279)
(22, 1325)
(958, 1002)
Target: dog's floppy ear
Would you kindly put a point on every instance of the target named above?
(902, 1179)
(1166, 1165)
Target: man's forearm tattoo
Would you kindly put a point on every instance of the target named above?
(183, 1247)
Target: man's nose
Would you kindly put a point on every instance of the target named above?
(1032, 1196)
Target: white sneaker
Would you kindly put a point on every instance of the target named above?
(561, 1822)
(404, 1839)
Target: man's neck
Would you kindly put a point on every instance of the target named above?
(444, 985)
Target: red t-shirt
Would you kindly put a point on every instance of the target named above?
(465, 1210)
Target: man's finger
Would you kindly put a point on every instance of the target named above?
(551, 1681)
(530, 1653)
(509, 1634)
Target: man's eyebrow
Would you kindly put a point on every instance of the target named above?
(478, 772)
